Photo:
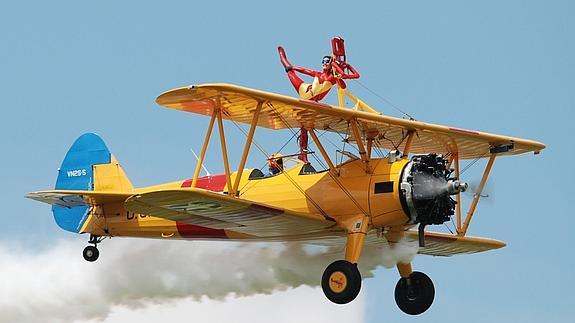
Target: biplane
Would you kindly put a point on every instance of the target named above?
(362, 200)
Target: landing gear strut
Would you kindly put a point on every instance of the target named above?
(91, 253)
(414, 294)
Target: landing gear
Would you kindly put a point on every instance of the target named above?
(341, 282)
(91, 253)
(414, 294)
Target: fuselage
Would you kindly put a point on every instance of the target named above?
(300, 189)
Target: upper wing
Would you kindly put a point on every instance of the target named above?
(279, 112)
(218, 211)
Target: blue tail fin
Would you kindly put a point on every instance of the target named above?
(77, 173)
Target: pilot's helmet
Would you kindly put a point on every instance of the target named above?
(276, 160)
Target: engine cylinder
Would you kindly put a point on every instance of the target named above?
(426, 189)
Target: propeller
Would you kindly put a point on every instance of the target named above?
(473, 189)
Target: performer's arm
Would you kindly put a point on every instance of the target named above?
(305, 71)
(338, 70)
(354, 74)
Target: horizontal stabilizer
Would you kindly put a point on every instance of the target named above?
(70, 199)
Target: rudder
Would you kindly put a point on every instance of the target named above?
(88, 166)
(76, 172)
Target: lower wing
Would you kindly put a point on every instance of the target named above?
(218, 211)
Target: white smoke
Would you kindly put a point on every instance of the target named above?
(59, 285)
(302, 304)
(401, 252)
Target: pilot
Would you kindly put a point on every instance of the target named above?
(332, 73)
(275, 164)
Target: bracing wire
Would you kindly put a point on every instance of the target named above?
(345, 190)
(472, 163)
(384, 99)
(448, 228)
(260, 148)
(323, 165)
(305, 194)
(294, 183)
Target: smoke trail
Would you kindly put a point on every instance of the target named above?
(401, 252)
(294, 305)
(59, 285)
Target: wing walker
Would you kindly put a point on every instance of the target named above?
(366, 199)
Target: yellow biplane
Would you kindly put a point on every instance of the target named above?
(362, 200)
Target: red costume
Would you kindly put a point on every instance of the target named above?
(323, 81)
(333, 72)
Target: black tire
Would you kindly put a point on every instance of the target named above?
(91, 253)
(416, 298)
(341, 282)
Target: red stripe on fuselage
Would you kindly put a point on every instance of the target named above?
(214, 183)
(195, 231)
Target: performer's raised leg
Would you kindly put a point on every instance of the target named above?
(295, 80)
(283, 58)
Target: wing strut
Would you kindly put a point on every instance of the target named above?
(247, 146)
(407, 147)
(217, 115)
(224, 148)
(204, 148)
(360, 146)
(458, 196)
(478, 194)
(332, 168)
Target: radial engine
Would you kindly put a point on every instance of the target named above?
(426, 188)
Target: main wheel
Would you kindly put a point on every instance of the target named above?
(341, 282)
(91, 253)
(414, 295)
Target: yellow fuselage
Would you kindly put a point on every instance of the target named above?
(351, 193)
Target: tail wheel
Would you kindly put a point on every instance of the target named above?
(341, 282)
(414, 295)
(91, 253)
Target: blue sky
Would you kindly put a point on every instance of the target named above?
(70, 67)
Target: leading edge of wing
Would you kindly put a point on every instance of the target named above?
(199, 99)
